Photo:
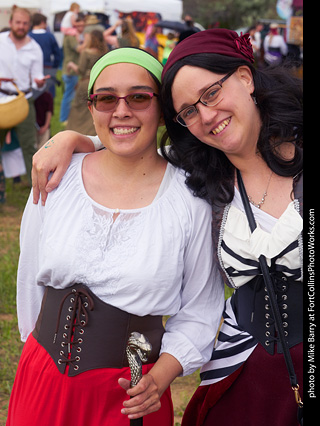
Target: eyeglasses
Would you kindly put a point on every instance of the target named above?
(210, 97)
(105, 102)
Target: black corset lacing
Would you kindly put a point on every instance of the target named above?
(78, 318)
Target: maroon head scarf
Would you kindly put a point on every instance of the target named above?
(219, 40)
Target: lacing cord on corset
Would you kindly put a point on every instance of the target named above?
(78, 318)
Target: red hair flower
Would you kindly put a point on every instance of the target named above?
(244, 46)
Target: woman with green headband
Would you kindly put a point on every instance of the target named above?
(120, 243)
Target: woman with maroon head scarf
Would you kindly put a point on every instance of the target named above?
(230, 123)
(227, 120)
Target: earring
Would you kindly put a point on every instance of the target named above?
(254, 100)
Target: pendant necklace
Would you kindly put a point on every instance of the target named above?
(258, 205)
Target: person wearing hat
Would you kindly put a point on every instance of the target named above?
(228, 124)
(275, 47)
(121, 242)
(222, 116)
(91, 23)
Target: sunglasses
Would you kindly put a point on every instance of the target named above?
(105, 102)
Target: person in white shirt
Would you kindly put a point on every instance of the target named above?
(21, 59)
(121, 241)
(68, 21)
(275, 47)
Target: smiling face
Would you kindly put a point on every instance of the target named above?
(233, 125)
(125, 131)
(20, 24)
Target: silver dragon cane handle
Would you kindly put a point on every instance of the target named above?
(138, 350)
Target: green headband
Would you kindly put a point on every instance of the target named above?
(125, 55)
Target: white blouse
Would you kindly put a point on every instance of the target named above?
(154, 260)
(271, 237)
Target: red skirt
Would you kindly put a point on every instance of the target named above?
(42, 396)
(257, 394)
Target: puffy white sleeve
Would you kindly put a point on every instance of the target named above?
(96, 142)
(190, 333)
(29, 294)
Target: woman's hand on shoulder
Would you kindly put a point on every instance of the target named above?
(54, 157)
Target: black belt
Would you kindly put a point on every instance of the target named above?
(253, 312)
(80, 330)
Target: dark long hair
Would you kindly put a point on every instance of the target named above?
(210, 174)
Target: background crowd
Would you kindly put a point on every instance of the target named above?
(85, 40)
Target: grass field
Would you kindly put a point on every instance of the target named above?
(11, 346)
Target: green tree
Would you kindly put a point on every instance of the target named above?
(230, 13)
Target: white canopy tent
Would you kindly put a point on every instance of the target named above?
(168, 9)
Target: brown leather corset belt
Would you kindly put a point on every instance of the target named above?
(80, 330)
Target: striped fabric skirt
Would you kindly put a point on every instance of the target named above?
(42, 396)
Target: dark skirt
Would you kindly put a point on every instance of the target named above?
(257, 394)
(42, 396)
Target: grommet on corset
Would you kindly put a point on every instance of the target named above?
(254, 297)
(70, 340)
(81, 347)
